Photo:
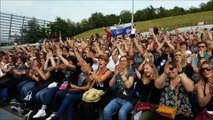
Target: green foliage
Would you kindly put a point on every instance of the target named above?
(97, 20)
(32, 32)
(125, 16)
(111, 19)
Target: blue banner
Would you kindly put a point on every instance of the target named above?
(121, 29)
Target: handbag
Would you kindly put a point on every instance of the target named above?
(144, 106)
(165, 111)
(92, 95)
(64, 85)
(204, 115)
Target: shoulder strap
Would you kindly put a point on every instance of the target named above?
(106, 70)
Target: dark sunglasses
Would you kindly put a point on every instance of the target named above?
(207, 68)
(171, 68)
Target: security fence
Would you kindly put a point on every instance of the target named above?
(11, 25)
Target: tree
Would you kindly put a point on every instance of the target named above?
(59, 25)
(111, 19)
(125, 16)
(206, 7)
(97, 20)
(139, 16)
(177, 11)
(31, 32)
(84, 25)
(162, 12)
(150, 13)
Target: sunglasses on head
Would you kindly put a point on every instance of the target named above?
(207, 68)
(171, 68)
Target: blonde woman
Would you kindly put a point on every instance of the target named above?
(205, 90)
(182, 65)
(145, 86)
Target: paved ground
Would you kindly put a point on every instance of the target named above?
(5, 115)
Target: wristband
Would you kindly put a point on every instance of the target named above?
(180, 72)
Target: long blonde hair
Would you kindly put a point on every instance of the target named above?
(145, 79)
(202, 79)
(182, 54)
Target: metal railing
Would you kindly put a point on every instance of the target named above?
(11, 25)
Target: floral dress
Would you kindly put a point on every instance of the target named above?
(180, 101)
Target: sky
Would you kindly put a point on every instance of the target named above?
(77, 10)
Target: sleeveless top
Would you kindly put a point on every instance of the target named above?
(102, 86)
(180, 101)
(209, 106)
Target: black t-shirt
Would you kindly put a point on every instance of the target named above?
(73, 75)
(148, 92)
(188, 70)
(57, 76)
(122, 92)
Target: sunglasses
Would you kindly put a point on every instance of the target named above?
(171, 68)
(207, 68)
(201, 46)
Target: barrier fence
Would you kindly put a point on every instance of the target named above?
(11, 25)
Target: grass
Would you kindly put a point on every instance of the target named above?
(168, 22)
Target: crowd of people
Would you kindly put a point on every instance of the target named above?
(173, 70)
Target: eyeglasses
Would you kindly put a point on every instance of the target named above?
(201, 46)
(171, 68)
(207, 68)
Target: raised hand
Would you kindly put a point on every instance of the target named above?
(59, 52)
(86, 68)
(117, 69)
(138, 73)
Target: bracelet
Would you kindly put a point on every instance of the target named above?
(180, 72)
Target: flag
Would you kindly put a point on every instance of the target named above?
(121, 29)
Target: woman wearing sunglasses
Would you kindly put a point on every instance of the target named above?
(205, 90)
(175, 88)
